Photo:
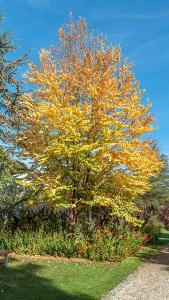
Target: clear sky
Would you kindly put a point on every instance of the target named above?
(141, 27)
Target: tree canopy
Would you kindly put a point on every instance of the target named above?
(84, 125)
(158, 196)
(11, 192)
(10, 84)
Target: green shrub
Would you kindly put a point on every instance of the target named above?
(153, 228)
(103, 244)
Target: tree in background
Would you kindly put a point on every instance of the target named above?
(10, 85)
(10, 190)
(159, 193)
(154, 201)
(11, 193)
(164, 215)
(83, 125)
(163, 193)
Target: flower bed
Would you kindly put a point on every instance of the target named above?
(102, 244)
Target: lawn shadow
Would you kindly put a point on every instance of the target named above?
(24, 282)
(162, 256)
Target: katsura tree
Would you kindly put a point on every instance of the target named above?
(85, 126)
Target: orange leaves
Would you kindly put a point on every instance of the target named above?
(84, 123)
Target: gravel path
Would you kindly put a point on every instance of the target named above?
(149, 282)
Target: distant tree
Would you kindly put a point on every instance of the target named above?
(13, 195)
(10, 85)
(10, 169)
(159, 193)
(158, 196)
(11, 192)
(164, 215)
(83, 126)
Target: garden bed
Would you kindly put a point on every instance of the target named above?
(35, 278)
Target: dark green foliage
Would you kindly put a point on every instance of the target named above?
(10, 190)
(10, 86)
(153, 228)
(164, 215)
(159, 194)
(11, 193)
(53, 219)
(151, 202)
(9, 169)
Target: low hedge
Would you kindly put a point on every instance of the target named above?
(103, 244)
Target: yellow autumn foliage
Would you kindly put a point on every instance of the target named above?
(84, 125)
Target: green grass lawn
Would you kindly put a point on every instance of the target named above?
(38, 279)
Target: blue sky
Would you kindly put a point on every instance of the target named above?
(141, 27)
